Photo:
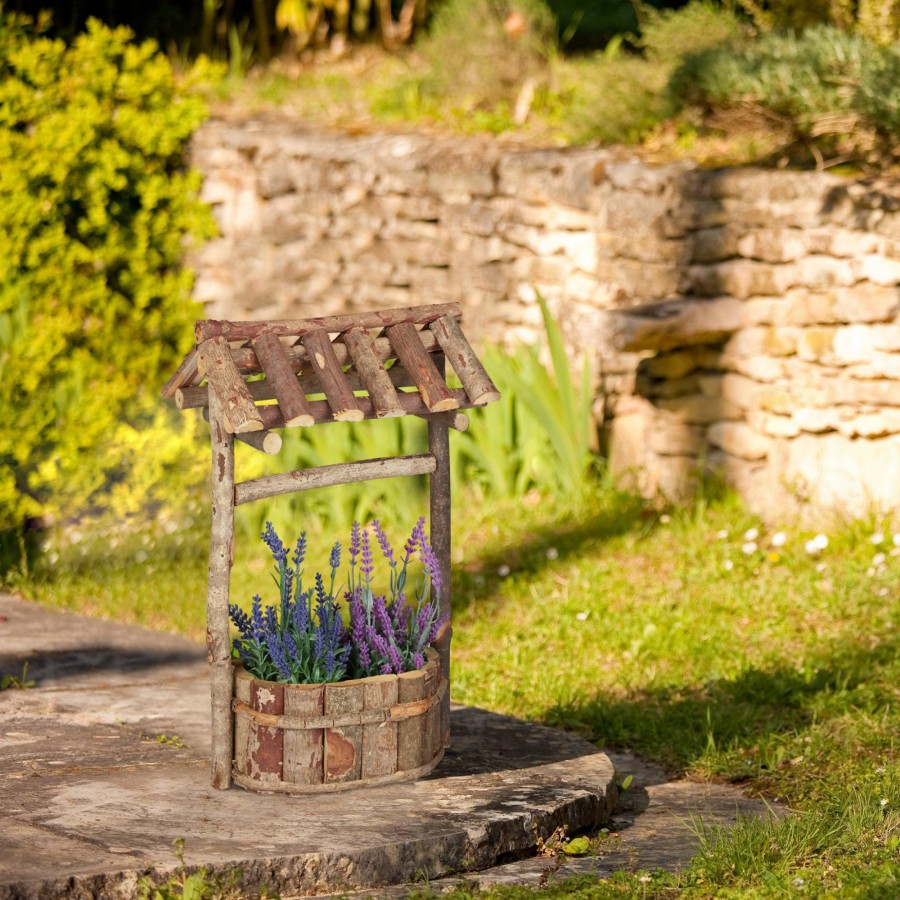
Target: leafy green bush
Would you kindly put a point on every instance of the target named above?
(834, 91)
(618, 96)
(877, 20)
(96, 212)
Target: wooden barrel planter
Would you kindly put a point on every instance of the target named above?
(313, 738)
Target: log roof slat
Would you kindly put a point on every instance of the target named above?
(366, 365)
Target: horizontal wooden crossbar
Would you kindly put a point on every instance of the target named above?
(328, 476)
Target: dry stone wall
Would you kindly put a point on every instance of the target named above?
(742, 320)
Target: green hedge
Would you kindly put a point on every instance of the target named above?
(96, 212)
(834, 91)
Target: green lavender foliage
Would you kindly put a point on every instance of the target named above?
(831, 88)
(96, 211)
(539, 434)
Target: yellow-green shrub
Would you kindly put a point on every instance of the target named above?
(96, 211)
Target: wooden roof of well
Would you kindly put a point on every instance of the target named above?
(366, 365)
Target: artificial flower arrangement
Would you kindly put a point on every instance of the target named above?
(305, 639)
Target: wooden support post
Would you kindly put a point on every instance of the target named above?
(221, 558)
(439, 448)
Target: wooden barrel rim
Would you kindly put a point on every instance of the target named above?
(396, 713)
(287, 787)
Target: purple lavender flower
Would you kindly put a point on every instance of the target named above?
(418, 532)
(383, 542)
(335, 559)
(270, 621)
(418, 660)
(273, 542)
(299, 550)
(354, 543)
(256, 618)
(241, 620)
(300, 613)
(367, 566)
(432, 566)
(276, 651)
(382, 618)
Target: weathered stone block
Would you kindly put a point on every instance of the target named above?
(738, 439)
(710, 245)
(865, 302)
(672, 365)
(872, 425)
(773, 246)
(676, 439)
(697, 409)
(773, 426)
(741, 391)
(833, 472)
(816, 343)
(739, 278)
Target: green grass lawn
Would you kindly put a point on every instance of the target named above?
(686, 637)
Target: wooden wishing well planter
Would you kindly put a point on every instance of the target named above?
(308, 738)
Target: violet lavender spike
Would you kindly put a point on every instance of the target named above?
(273, 542)
(409, 548)
(368, 565)
(335, 559)
(256, 617)
(383, 542)
(432, 566)
(354, 543)
(299, 550)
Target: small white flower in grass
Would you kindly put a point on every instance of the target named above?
(582, 616)
(552, 553)
(876, 538)
(878, 559)
(884, 801)
(895, 540)
(817, 544)
(822, 567)
(645, 879)
(503, 570)
(665, 518)
(751, 534)
(779, 539)
(141, 556)
(749, 548)
(728, 564)
(870, 571)
(722, 535)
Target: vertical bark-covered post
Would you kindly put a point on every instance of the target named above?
(221, 557)
(439, 447)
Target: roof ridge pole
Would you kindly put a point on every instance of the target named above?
(439, 487)
(221, 559)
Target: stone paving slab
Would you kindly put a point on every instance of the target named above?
(104, 764)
